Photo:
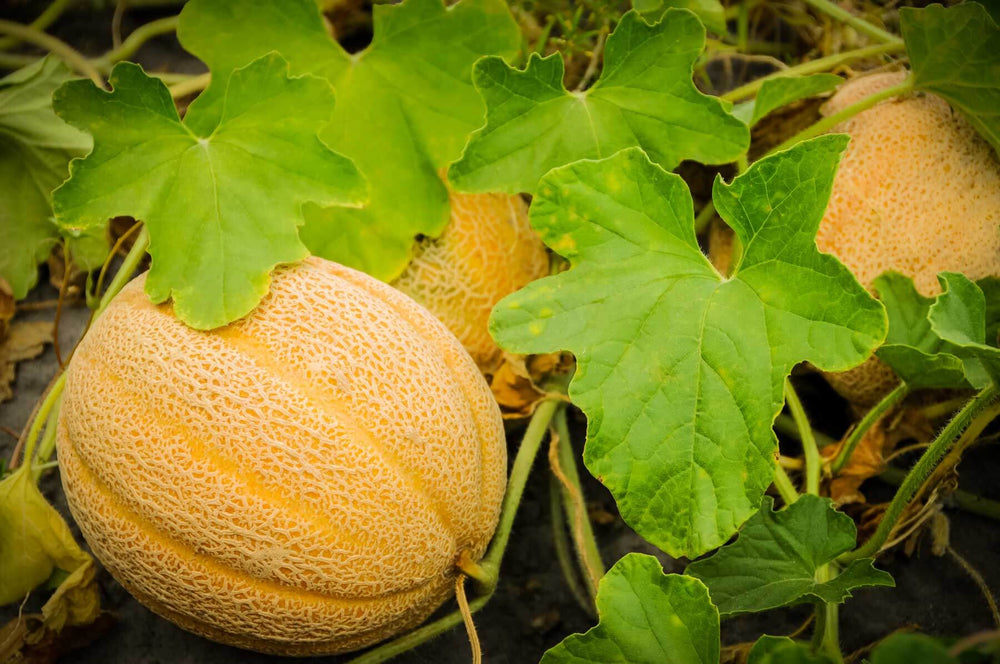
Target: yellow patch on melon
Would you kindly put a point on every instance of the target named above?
(299, 482)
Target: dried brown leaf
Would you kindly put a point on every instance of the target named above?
(24, 341)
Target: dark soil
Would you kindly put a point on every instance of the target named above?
(532, 610)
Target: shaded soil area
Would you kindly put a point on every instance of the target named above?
(532, 609)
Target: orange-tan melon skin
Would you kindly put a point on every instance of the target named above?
(918, 192)
(487, 251)
(299, 482)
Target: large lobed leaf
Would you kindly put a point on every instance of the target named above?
(777, 92)
(647, 617)
(774, 560)
(680, 370)
(783, 650)
(955, 53)
(223, 207)
(35, 151)
(644, 98)
(404, 106)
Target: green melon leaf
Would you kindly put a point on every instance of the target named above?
(404, 106)
(644, 98)
(710, 12)
(647, 617)
(774, 560)
(222, 209)
(910, 649)
(918, 356)
(778, 92)
(955, 53)
(681, 370)
(959, 317)
(35, 151)
(782, 650)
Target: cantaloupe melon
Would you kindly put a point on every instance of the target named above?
(487, 252)
(299, 482)
(918, 192)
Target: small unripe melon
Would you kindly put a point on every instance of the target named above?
(299, 482)
(487, 252)
(918, 192)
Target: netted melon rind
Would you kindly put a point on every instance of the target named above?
(299, 482)
(918, 192)
(487, 252)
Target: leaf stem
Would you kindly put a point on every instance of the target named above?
(809, 448)
(47, 445)
(921, 470)
(705, 215)
(783, 483)
(856, 22)
(560, 541)
(575, 508)
(41, 417)
(827, 637)
(190, 86)
(70, 55)
(136, 39)
(44, 20)
(963, 500)
(866, 423)
(125, 272)
(526, 453)
(831, 121)
(814, 67)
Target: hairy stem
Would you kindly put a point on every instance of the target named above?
(856, 22)
(47, 408)
(964, 500)
(560, 541)
(125, 272)
(47, 445)
(575, 507)
(814, 67)
(831, 121)
(921, 470)
(135, 40)
(44, 20)
(813, 462)
(827, 635)
(783, 483)
(705, 215)
(69, 55)
(866, 423)
(190, 86)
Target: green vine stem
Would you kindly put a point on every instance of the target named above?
(866, 423)
(964, 500)
(135, 40)
(190, 86)
(783, 483)
(813, 462)
(814, 67)
(575, 509)
(826, 639)
(70, 55)
(47, 444)
(705, 215)
(16, 60)
(831, 121)
(41, 417)
(922, 469)
(856, 22)
(44, 20)
(526, 453)
(124, 274)
(560, 542)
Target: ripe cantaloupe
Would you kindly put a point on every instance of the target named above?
(918, 192)
(299, 482)
(487, 252)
